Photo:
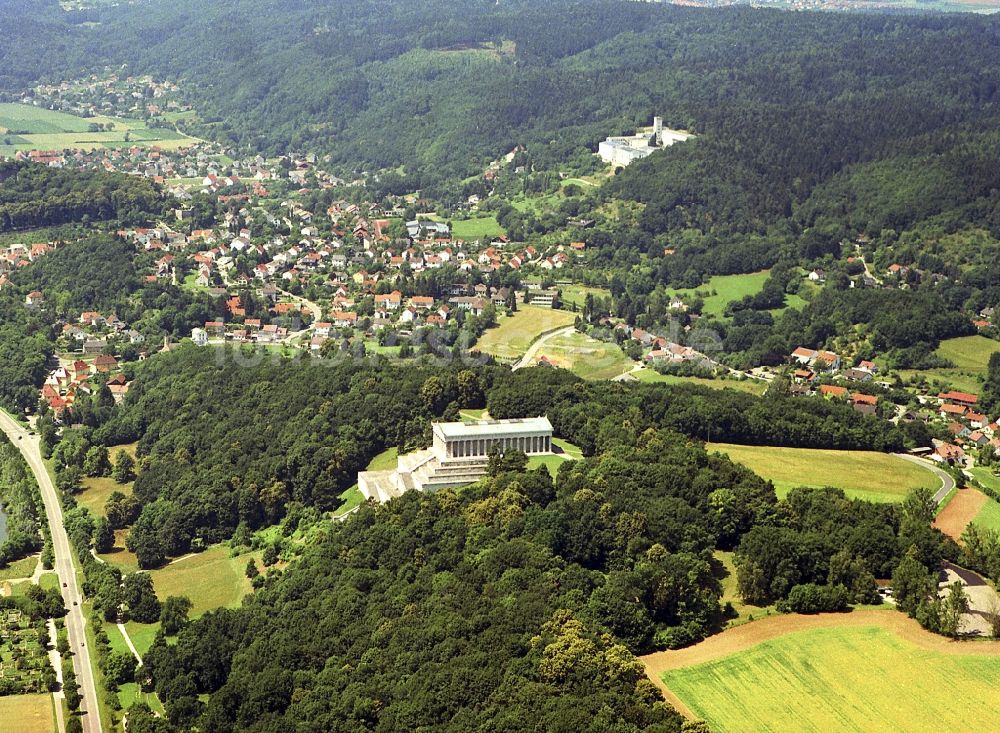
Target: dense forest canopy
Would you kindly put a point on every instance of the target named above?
(443, 87)
(514, 604)
(233, 440)
(34, 196)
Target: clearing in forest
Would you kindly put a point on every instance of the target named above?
(211, 579)
(721, 289)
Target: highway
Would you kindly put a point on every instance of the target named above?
(29, 447)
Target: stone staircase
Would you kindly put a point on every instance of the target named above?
(421, 471)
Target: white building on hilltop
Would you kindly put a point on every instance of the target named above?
(624, 150)
(458, 455)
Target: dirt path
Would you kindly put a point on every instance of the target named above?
(748, 635)
(129, 644)
(961, 510)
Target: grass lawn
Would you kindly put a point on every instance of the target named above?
(48, 581)
(726, 288)
(129, 694)
(384, 461)
(989, 516)
(482, 227)
(120, 555)
(472, 414)
(27, 714)
(211, 579)
(969, 354)
(352, 497)
(22, 568)
(731, 594)
(550, 462)
(958, 379)
(115, 639)
(28, 119)
(577, 294)
(571, 451)
(859, 678)
(861, 474)
(538, 204)
(372, 347)
(586, 357)
(516, 333)
(96, 492)
(753, 386)
(142, 635)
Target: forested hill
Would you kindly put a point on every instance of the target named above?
(782, 101)
(514, 604)
(33, 195)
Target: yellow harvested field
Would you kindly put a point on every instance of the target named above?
(873, 671)
(26, 714)
(515, 333)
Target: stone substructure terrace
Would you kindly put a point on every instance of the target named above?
(458, 456)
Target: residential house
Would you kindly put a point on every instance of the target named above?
(864, 403)
(959, 398)
(833, 391)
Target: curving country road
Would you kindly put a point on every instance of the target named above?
(947, 482)
(29, 447)
(538, 344)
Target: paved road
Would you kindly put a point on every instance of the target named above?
(947, 482)
(28, 445)
(532, 351)
(314, 309)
